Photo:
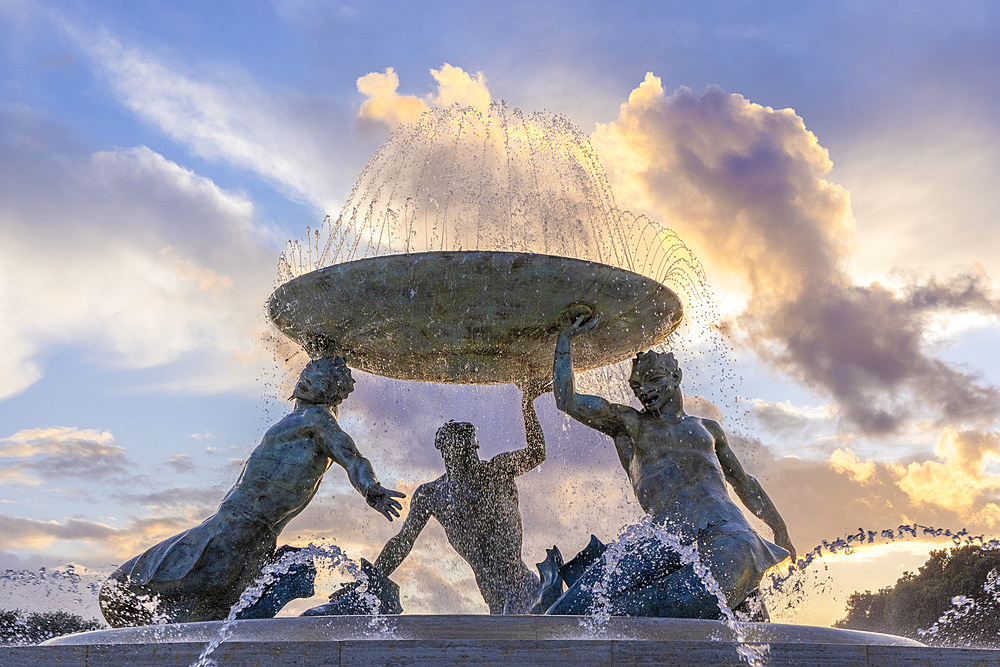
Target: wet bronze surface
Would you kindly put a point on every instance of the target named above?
(475, 317)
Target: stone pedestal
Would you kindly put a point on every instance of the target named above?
(484, 640)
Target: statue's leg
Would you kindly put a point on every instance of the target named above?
(681, 594)
(296, 581)
(737, 560)
(629, 567)
(523, 593)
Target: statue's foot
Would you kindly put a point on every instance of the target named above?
(550, 586)
(573, 570)
(351, 600)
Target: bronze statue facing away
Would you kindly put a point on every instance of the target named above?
(678, 465)
(476, 503)
(199, 574)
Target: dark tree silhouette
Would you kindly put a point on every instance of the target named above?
(918, 601)
(16, 627)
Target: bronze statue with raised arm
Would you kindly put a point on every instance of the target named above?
(199, 574)
(476, 503)
(678, 465)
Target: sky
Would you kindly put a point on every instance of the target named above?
(833, 169)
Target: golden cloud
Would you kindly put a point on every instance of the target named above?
(847, 462)
(384, 103)
(959, 478)
(454, 87)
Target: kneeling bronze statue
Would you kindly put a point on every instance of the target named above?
(199, 574)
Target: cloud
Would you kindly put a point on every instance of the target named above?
(283, 136)
(139, 260)
(20, 533)
(955, 489)
(181, 463)
(55, 454)
(454, 87)
(828, 499)
(747, 187)
(847, 462)
(383, 103)
(958, 478)
(793, 423)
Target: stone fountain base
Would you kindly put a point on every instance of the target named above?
(483, 640)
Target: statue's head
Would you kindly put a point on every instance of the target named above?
(456, 438)
(655, 379)
(326, 381)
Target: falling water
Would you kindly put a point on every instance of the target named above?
(962, 606)
(754, 654)
(789, 588)
(331, 554)
(504, 180)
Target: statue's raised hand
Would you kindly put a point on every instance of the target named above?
(532, 388)
(582, 323)
(384, 500)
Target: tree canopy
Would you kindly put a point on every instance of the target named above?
(960, 582)
(16, 627)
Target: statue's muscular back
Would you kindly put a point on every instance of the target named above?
(480, 516)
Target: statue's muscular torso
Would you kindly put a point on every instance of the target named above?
(283, 474)
(675, 470)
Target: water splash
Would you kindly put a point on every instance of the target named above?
(754, 654)
(963, 606)
(69, 588)
(332, 555)
(788, 588)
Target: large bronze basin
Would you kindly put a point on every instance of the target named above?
(474, 317)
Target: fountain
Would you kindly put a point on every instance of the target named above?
(471, 244)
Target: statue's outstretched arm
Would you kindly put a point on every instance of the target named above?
(593, 411)
(341, 448)
(398, 547)
(748, 489)
(521, 461)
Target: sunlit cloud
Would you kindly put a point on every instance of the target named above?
(56, 454)
(182, 265)
(20, 533)
(847, 462)
(383, 103)
(957, 479)
(747, 186)
(457, 87)
(454, 87)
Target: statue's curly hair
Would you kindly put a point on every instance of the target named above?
(453, 430)
(645, 361)
(316, 379)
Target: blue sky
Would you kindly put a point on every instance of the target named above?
(156, 156)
